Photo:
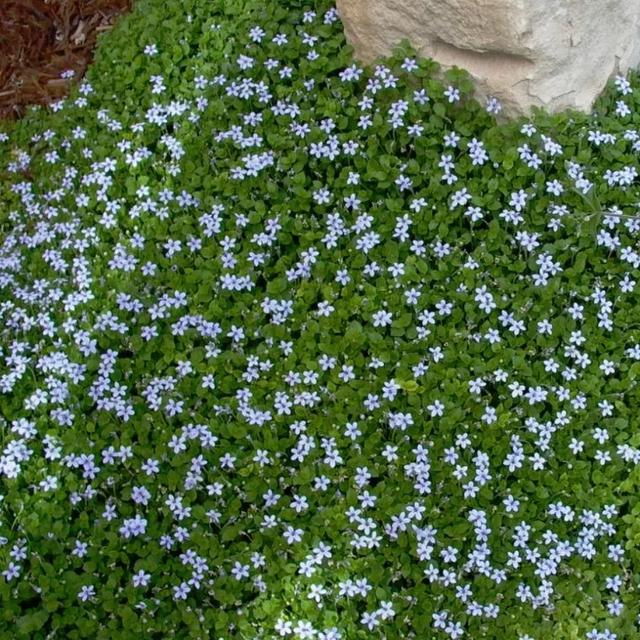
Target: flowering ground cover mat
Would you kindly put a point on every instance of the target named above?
(295, 348)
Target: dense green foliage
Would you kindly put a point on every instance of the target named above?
(294, 348)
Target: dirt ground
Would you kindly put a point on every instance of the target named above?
(47, 44)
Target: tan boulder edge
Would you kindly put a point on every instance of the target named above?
(555, 54)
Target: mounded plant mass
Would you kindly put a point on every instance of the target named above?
(293, 348)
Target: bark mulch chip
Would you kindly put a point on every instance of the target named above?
(47, 44)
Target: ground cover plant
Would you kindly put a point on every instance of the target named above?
(296, 348)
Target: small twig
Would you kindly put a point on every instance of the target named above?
(616, 214)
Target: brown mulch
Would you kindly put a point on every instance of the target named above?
(40, 39)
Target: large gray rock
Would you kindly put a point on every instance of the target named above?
(555, 54)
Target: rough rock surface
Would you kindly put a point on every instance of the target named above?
(555, 54)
